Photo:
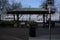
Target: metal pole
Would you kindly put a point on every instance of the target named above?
(49, 23)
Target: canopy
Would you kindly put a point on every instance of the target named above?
(30, 11)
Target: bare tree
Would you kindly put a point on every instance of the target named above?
(4, 4)
(43, 5)
(16, 5)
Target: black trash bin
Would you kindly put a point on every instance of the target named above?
(32, 32)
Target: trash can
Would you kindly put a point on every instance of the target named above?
(32, 31)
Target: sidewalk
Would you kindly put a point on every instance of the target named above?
(46, 37)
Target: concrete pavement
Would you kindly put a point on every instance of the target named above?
(45, 37)
(23, 34)
(14, 33)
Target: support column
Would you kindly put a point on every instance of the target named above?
(14, 16)
(43, 20)
(46, 20)
(45, 24)
(0, 17)
(17, 20)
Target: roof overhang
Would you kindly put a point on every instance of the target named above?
(30, 11)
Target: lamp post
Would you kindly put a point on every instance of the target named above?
(49, 9)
